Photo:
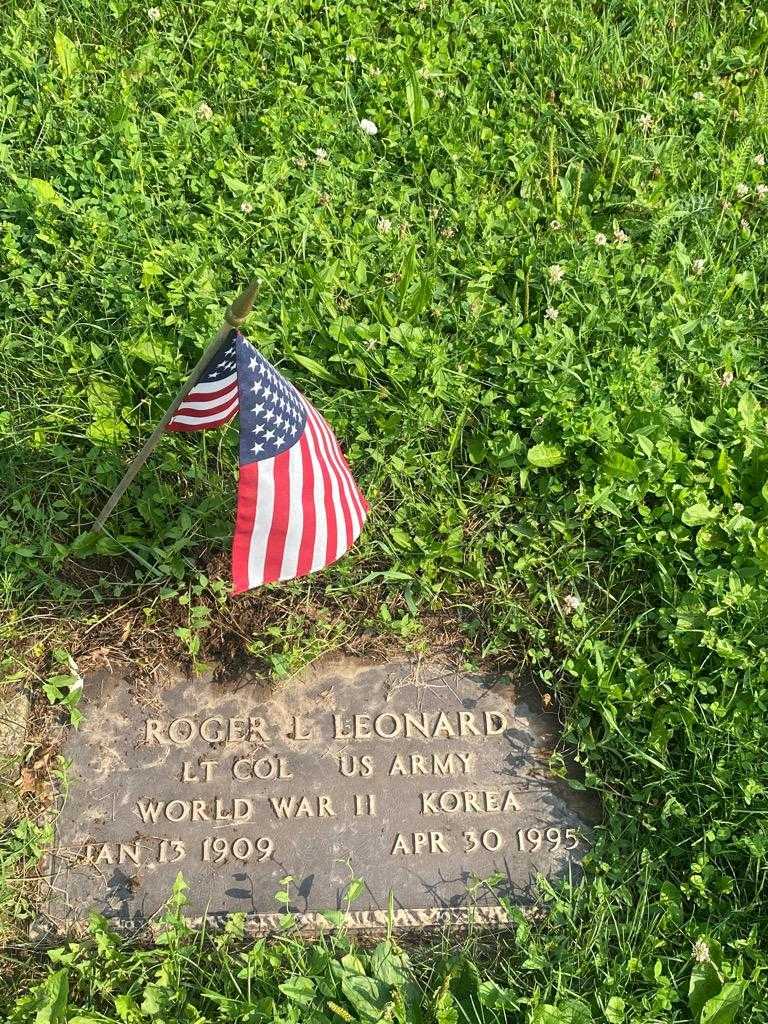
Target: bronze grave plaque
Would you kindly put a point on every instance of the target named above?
(417, 779)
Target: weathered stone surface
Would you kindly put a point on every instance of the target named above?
(14, 712)
(416, 779)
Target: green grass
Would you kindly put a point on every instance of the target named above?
(582, 492)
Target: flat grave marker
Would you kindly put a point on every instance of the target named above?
(417, 779)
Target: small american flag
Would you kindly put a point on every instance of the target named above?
(298, 506)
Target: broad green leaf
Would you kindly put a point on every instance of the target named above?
(414, 97)
(496, 997)
(620, 466)
(545, 456)
(334, 917)
(109, 430)
(354, 889)
(299, 990)
(368, 996)
(314, 368)
(51, 998)
(721, 472)
(44, 192)
(547, 1014)
(749, 409)
(614, 1010)
(445, 1007)
(407, 270)
(723, 1007)
(422, 295)
(67, 53)
(401, 538)
(704, 985)
(179, 889)
(153, 999)
(388, 963)
(236, 186)
(126, 1008)
(572, 1011)
(699, 514)
(353, 964)
(150, 271)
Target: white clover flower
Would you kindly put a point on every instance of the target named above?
(300, 161)
(555, 225)
(571, 603)
(742, 190)
(760, 159)
(701, 952)
(321, 155)
(600, 239)
(646, 122)
(761, 191)
(620, 236)
(351, 57)
(698, 267)
(551, 313)
(153, 13)
(744, 224)
(374, 72)
(384, 225)
(369, 127)
(699, 97)
(555, 273)
(246, 207)
(204, 112)
(726, 378)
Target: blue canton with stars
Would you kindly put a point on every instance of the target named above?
(223, 363)
(272, 412)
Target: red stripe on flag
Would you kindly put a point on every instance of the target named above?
(208, 396)
(354, 515)
(247, 494)
(192, 409)
(330, 511)
(308, 509)
(333, 468)
(279, 528)
(186, 427)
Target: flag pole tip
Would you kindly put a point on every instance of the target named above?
(242, 305)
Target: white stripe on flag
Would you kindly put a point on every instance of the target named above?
(200, 420)
(342, 541)
(348, 484)
(318, 496)
(295, 528)
(214, 385)
(262, 522)
(190, 402)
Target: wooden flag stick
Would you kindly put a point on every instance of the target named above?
(234, 317)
